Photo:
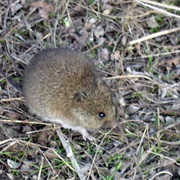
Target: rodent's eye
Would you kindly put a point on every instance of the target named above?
(102, 115)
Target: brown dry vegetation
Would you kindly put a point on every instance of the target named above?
(143, 73)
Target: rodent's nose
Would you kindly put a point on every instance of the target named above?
(110, 124)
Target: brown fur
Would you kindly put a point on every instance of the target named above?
(63, 84)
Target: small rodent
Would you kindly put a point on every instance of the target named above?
(63, 87)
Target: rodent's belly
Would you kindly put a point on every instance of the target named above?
(47, 116)
(64, 123)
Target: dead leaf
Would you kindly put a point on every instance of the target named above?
(13, 164)
(105, 53)
(117, 55)
(39, 36)
(124, 40)
(13, 115)
(44, 8)
(15, 7)
(112, 57)
(50, 154)
(26, 128)
(152, 23)
(133, 108)
(27, 166)
(175, 61)
(78, 7)
(107, 10)
(174, 39)
(170, 62)
(43, 138)
(99, 31)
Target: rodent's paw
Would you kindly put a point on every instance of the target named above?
(90, 138)
(86, 135)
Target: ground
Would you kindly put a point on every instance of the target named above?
(136, 47)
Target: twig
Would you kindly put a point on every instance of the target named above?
(23, 122)
(70, 154)
(163, 156)
(160, 173)
(16, 26)
(159, 9)
(12, 99)
(155, 55)
(97, 150)
(161, 5)
(151, 36)
(131, 151)
(40, 169)
(132, 76)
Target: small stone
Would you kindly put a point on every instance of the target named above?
(92, 21)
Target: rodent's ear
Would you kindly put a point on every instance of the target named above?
(80, 96)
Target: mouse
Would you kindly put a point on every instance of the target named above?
(64, 87)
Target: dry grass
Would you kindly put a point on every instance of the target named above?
(136, 45)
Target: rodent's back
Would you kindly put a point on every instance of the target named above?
(60, 83)
(52, 74)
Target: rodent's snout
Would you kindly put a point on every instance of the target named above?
(110, 124)
(109, 118)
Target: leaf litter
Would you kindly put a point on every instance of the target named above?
(142, 73)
